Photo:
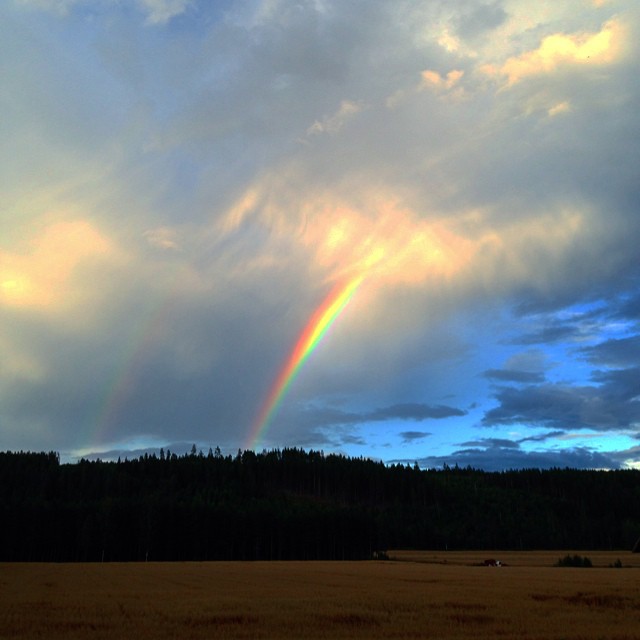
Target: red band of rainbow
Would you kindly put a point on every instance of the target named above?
(322, 319)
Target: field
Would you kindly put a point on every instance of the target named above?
(415, 595)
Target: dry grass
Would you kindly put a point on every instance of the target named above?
(418, 596)
(602, 559)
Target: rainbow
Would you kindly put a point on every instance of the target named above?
(320, 322)
(134, 348)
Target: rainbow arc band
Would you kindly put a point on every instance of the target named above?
(320, 322)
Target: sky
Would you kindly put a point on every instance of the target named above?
(446, 191)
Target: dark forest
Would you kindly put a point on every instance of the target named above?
(296, 504)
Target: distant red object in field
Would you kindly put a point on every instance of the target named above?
(491, 562)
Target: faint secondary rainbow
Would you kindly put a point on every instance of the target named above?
(136, 343)
(322, 319)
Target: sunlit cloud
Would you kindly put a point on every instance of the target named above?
(449, 84)
(373, 234)
(526, 252)
(555, 50)
(376, 238)
(561, 107)
(393, 246)
(448, 41)
(41, 273)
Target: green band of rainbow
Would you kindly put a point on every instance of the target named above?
(318, 325)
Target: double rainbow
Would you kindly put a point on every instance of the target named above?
(320, 322)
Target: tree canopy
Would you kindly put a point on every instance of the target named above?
(296, 504)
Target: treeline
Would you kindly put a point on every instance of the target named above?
(295, 504)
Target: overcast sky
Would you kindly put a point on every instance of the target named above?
(183, 182)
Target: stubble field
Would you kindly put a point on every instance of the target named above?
(416, 595)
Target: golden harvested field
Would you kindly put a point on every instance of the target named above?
(418, 595)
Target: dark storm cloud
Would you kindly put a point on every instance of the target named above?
(351, 439)
(611, 405)
(507, 375)
(490, 443)
(508, 443)
(543, 437)
(621, 352)
(549, 335)
(413, 411)
(629, 307)
(621, 384)
(413, 436)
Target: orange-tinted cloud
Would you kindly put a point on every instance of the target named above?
(555, 50)
(435, 80)
(393, 246)
(41, 275)
(370, 235)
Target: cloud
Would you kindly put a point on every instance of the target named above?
(560, 332)
(506, 375)
(161, 11)
(413, 436)
(434, 80)
(158, 11)
(494, 443)
(372, 231)
(543, 437)
(480, 19)
(623, 384)
(628, 308)
(18, 362)
(162, 238)
(560, 107)
(496, 458)
(373, 236)
(527, 367)
(42, 274)
(602, 47)
(413, 411)
(58, 6)
(621, 352)
(333, 124)
(611, 405)
(502, 454)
